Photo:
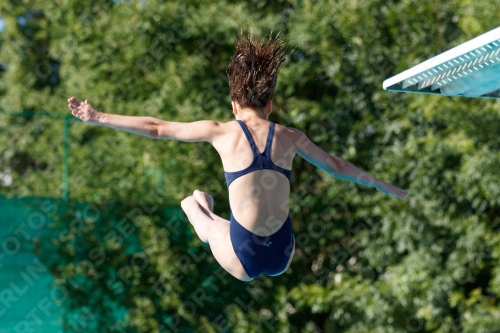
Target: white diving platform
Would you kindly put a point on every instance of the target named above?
(471, 69)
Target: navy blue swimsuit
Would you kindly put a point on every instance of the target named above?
(261, 254)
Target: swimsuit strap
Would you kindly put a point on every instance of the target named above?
(252, 143)
(269, 140)
(249, 137)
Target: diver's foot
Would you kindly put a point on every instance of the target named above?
(204, 199)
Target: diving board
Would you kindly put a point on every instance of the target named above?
(471, 69)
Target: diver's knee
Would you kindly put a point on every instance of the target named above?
(188, 201)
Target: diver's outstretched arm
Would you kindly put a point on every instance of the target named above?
(204, 130)
(138, 125)
(350, 172)
(339, 167)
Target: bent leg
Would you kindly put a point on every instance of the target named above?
(223, 251)
(199, 210)
(197, 216)
(214, 230)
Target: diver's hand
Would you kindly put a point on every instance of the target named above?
(392, 190)
(84, 111)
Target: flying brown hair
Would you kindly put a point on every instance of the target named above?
(253, 70)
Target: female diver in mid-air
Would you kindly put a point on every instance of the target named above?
(257, 158)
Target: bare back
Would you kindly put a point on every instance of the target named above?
(259, 199)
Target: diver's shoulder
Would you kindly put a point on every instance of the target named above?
(291, 131)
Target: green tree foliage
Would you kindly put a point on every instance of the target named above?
(364, 261)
